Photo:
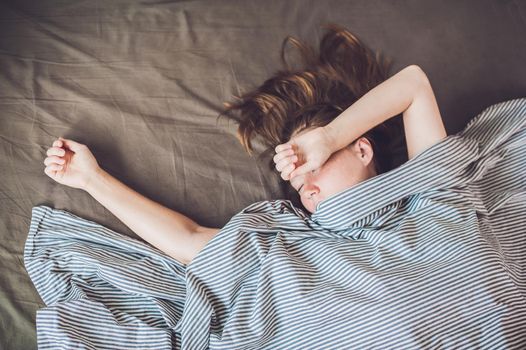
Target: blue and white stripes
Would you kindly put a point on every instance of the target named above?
(430, 255)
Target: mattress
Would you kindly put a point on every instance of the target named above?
(142, 82)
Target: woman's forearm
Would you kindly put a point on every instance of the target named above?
(389, 98)
(162, 227)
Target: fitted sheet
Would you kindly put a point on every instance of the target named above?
(141, 83)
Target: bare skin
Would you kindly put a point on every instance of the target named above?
(327, 163)
(343, 169)
(72, 164)
(321, 162)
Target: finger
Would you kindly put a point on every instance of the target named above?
(72, 145)
(54, 160)
(305, 168)
(285, 174)
(57, 143)
(282, 147)
(49, 172)
(56, 151)
(279, 156)
(284, 162)
(54, 167)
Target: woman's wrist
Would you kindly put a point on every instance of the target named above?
(332, 138)
(94, 180)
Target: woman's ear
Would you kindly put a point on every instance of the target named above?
(364, 150)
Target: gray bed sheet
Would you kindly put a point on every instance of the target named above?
(142, 82)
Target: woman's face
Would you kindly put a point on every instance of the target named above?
(344, 168)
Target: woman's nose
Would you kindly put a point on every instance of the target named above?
(310, 190)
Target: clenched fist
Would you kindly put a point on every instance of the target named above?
(70, 163)
(306, 151)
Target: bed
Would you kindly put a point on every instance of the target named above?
(142, 83)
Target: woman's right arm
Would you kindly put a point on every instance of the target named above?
(170, 231)
(72, 164)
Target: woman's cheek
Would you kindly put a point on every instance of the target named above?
(308, 205)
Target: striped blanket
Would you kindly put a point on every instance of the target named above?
(430, 255)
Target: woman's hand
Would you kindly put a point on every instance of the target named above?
(70, 163)
(309, 150)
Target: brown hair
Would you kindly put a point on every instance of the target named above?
(294, 99)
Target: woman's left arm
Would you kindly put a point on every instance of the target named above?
(408, 91)
(423, 123)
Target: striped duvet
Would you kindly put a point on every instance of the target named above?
(430, 255)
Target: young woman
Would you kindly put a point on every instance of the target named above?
(330, 125)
